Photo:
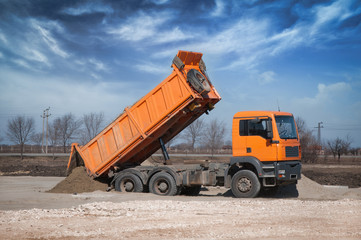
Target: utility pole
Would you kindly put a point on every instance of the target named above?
(319, 132)
(42, 144)
(47, 126)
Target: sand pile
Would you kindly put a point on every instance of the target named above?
(309, 189)
(77, 182)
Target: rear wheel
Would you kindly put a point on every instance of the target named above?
(163, 183)
(128, 182)
(245, 184)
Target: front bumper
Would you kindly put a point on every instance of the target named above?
(288, 171)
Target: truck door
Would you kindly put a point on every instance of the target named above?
(253, 134)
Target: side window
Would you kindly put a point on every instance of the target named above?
(253, 128)
(243, 128)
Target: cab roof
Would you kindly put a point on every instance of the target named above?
(260, 113)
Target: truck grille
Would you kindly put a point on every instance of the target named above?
(291, 151)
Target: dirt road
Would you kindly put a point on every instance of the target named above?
(27, 212)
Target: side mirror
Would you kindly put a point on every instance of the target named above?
(269, 129)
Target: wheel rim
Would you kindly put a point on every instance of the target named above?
(198, 81)
(244, 184)
(200, 77)
(127, 185)
(161, 186)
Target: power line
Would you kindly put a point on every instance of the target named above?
(45, 115)
(342, 129)
(319, 132)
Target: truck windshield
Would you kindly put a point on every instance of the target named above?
(286, 127)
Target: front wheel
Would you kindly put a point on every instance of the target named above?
(245, 184)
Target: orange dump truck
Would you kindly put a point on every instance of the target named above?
(264, 155)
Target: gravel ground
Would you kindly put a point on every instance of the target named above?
(28, 212)
(172, 219)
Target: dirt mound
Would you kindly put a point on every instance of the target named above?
(309, 189)
(77, 182)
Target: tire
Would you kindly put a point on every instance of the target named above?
(198, 81)
(191, 191)
(128, 182)
(163, 183)
(245, 184)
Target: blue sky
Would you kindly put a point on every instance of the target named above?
(93, 56)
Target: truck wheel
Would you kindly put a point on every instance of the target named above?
(163, 183)
(128, 183)
(191, 191)
(198, 81)
(245, 184)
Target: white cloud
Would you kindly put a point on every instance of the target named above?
(38, 92)
(139, 27)
(266, 77)
(287, 39)
(33, 54)
(218, 10)
(95, 76)
(87, 8)
(33, 44)
(246, 38)
(172, 35)
(337, 11)
(3, 38)
(22, 63)
(330, 103)
(328, 94)
(159, 2)
(152, 28)
(252, 39)
(51, 42)
(151, 68)
(99, 66)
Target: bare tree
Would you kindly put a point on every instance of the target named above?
(339, 146)
(19, 131)
(54, 134)
(214, 135)
(37, 138)
(67, 127)
(193, 133)
(92, 126)
(308, 142)
(170, 143)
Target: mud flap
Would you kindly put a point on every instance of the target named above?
(75, 160)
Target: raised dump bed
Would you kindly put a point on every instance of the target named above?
(156, 118)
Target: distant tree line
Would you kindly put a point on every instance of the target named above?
(66, 129)
(311, 149)
(198, 136)
(62, 131)
(203, 135)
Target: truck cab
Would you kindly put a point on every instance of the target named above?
(266, 144)
(265, 135)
